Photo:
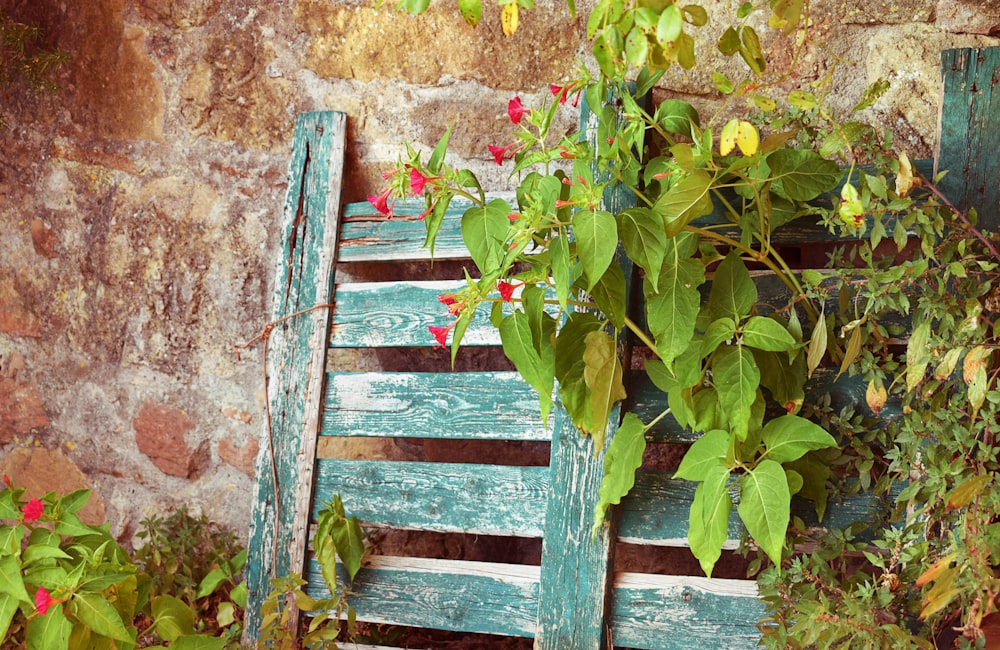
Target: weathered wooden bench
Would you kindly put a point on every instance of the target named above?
(573, 596)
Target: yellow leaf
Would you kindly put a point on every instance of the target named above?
(738, 133)
(508, 19)
(978, 357)
(875, 396)
(727, 138)
(747, 138)
(934, 570)
(904, 179)
(967, 490)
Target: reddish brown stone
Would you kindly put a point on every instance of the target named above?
(21, 409)
(44, 239)
(15, 317)
(41, 471)
(242, 458)
(159, 432)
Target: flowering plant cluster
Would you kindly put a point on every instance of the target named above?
(67, 584)
(688, 208)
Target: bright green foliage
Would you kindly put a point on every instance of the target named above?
(64, 583)
(734, 366)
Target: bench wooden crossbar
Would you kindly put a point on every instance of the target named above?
(571, 598)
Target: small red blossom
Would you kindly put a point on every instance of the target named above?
(32, 510)
(506, 290)
(7, 482)
(43, 600)
(448, 300)
(498, 153)
(382, 203)
(562, 92)
(563, 204)
(513, 216)
(418, 181)
(440, 333)
(566, 154)
(516, 110)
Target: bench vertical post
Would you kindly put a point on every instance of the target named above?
(968, 139)
(575, 587)
(296, 356)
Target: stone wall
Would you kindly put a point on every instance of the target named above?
(139, 205)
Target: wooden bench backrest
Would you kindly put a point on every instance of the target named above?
(572, 598)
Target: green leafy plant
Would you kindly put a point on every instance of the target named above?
(337, 536)
(628, 205)
(195, 564)
(67, 584)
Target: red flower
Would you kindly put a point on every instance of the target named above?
(506, 290)
(440, 333)
(516, 110)
(498, 153)
(562, 92)
(418, 181)
(43, 600)
(7, 482)
(32, 510)
(381, 202)
(449, 301)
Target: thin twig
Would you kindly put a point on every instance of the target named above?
(264, 336)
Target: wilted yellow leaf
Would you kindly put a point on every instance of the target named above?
(967, 490)
(508, 19)
(727, 138)
(875, 396)
(978, 357)
(904, 179)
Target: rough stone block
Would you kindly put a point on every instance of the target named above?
(160, 433)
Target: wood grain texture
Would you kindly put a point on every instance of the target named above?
(969, 137)
(444, 497)
(458, 405)
(655, 612)
(458, 595)
(296, 355)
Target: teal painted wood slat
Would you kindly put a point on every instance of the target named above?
(970, 132)
(397, 314)
(368, 236)
(459, 405)
(445, 497)
(482, 597)
(655, 612)
(296, 356)
(655, 512)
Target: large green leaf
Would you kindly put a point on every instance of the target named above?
(536, 369)
(101, 616)
(708, 526)
(736, 379)
(623, 457)
(11, 581)
(785, 380)
(348, 538)
(642, 235)
(603, 374)
(733, 292)
(676, 116)
(685, 201)
(483, 231)
(8, 605)
(764, 507)
(609, 295)
(672, 310)
(803, 175)
(790, 437)
(50, 631)
(560, 266)
(768, 334)
(596, 240)
(702, 457)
